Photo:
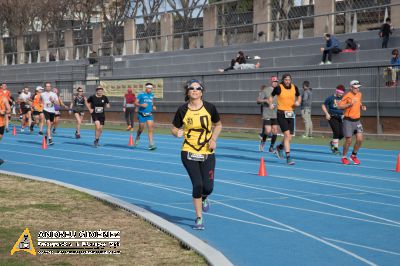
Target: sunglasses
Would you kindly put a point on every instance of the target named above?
(195, 88)
(274, 81)
(80, 91)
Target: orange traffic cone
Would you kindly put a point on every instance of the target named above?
(398, 163)
(44, 143)
(131, 143)
(14, 131)
(262, 171)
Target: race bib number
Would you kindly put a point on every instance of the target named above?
(98, 110)
(289, 114)
(27, 106)
(196, 157)
(49, 104)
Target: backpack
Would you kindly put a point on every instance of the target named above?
(351, 44)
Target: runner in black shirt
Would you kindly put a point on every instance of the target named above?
(96, 104)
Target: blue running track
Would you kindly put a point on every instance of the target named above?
(318, 212)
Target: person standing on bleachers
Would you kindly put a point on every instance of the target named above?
(385, 32)
(306, 103)
(332, 46)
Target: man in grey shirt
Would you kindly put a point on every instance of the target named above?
(306, 103)
(268, 114)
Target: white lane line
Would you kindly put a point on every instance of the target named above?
(225, 181)
(310, 200)
(363, 246)
(166, 147)
(133, 152)
(250, 143)
(231, 198)
(326, 183)
(232, 207)
(206, 214)
(318, 239)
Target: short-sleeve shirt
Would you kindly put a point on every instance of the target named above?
(353, 111)
(197, 126)
(98, 104)
(331, 103)
(49, 98)
(24, 99)
(145, 98)
(266, 112)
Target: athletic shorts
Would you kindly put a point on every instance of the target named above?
(351, 127)
(285, 123)
(57, 114)
(79, 112)
(143, 119)
(49, 116)
(35, 113)
(2, 130)
(270, 122)
(100, 118)
(25, 110)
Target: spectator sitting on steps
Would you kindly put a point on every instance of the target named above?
(240, 63)
(391, 71)
(332, 47)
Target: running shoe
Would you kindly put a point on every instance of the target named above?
(290, 161)
(22, 130)
(271, 149)
(198, 224)
(345, 161)
(328, 63)
(77, 136)
(336, 151)
(136, 143)
(354, 159)
(96, 143)
(332, 146)
(261, 146)
(51, 142)
(128, 128)
(152, 147)
(205, 205)
(54, 131)
(1, 161)
(31, 128)
(40, 132)
(279, 152)
(7, 130)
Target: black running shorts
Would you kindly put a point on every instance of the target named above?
(285, 123)
(48, 116)
(100, 118)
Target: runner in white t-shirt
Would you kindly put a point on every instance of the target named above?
(25, 104)
(49, 99)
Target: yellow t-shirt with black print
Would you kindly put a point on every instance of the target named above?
(197, 126)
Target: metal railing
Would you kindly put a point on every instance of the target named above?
(233, 29)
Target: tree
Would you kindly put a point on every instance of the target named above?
(114, 14)
(150, 10)
(184, 12)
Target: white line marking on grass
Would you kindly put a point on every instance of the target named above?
(362, 246)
